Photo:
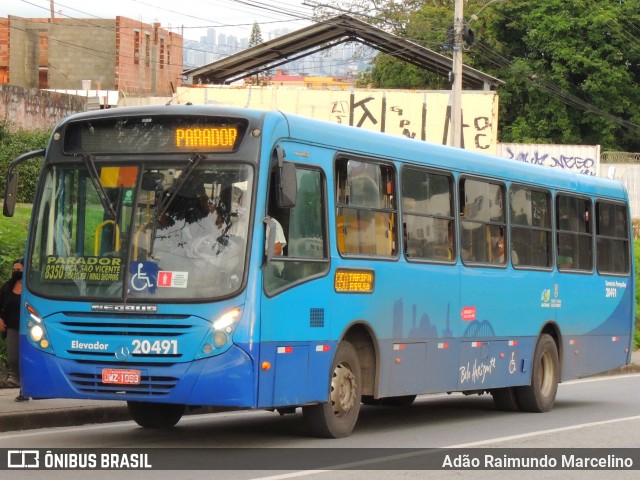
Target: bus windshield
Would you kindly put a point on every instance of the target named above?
(141, 231)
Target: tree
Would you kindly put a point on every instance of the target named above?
(571, 68)
(256, 35)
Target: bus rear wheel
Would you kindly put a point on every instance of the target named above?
(336, 418)
(540, 395)
(155, 415)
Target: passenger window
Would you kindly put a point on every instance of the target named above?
(366, 208)
(482, 221)
(530, 227)
(574, 237)
(427, 215)
(612, 238)
(304, 251)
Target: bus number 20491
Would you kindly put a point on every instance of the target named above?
(157, 347)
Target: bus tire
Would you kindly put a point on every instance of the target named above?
(155, 415)
(540, 395)
(505, 399)
(336, 418)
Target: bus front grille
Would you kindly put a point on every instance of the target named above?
(150, 386)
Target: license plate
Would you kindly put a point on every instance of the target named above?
(120, 377)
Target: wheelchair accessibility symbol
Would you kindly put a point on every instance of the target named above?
(143, 276)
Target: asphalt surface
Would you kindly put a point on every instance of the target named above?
(68, 412)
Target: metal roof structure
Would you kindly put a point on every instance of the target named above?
(322, 36)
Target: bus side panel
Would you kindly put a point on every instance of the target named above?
(299, 370)
(595, 324)
(297, 373)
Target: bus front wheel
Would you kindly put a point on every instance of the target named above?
(337, 417)
(540, 395)
(155, 415)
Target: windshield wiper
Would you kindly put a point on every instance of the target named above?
(173, 190)
(90, 163)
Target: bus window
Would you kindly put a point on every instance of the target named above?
(366, 209)
(530, 226)
(303, 228)
(482, 221)
(612, 238)
(574, 242)
(80, 220)
(427, 215)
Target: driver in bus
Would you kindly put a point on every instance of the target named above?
(197, 237)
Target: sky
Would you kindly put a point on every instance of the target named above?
(189, 17)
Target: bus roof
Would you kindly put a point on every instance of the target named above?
(363, 142)
(394, 147)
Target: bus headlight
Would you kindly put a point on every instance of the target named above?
(36, 328)
(218, 338)
(36, 333)
(227, 321)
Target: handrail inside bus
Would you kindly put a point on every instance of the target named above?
(98, 236)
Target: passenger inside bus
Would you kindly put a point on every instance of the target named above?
(501, 256)
(565, 257)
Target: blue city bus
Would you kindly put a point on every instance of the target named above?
(185, 256)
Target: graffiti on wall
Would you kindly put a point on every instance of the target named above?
(419, 115)
(405, 119)
(547, 156)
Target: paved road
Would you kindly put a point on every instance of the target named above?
(68, 412)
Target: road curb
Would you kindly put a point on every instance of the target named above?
(64, 417)
(624, 370)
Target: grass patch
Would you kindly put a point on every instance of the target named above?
(13, 235)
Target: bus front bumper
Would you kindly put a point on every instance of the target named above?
(226, 380)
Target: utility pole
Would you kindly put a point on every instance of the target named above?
(456, 89)
(52, 8)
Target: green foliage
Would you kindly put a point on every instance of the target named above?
(570, 68)
(569, 71)
(13, 238)
(14, 143)
(388, 72)
(256, 35)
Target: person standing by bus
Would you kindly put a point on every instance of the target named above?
(10, 294)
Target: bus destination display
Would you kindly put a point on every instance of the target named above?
(154, 135)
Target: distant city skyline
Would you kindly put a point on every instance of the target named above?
(337, 61)
(190, 18)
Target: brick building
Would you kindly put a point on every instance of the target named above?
(122, 54)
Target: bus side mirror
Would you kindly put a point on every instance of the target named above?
(11, 187)
(10, 194)
(287, 187)
(286, 182)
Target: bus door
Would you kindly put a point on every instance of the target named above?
(295, 319)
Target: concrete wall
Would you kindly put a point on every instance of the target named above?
(24, 43)
(82, 50)
(63, 54)
(34, 109)
(150, 58)
(421, 115)
(629, 175)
